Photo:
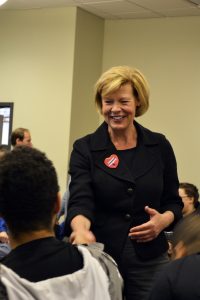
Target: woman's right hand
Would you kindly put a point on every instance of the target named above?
(81, 233)
(82, 237)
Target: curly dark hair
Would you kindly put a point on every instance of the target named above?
(28, 190)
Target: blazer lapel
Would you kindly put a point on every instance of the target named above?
(147, 151)
(102, 148)
(144, 161)
(121, 172)
(145, 157)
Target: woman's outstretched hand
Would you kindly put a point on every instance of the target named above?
(82, 237)
(148, 231)
(81, 233)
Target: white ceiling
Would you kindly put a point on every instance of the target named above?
(116, 9)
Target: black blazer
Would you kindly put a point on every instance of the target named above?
(114, 198)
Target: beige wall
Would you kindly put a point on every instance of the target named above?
(38, 56)
(87, 68)
(51, 58)
(167, 52)
(36, 67)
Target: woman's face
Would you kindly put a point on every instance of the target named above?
(118, 108)
(187, 201)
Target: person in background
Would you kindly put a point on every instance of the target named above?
(60, 224)
(3, 150)
(4, 239)
(124, 184)
(180, 279)
(64, 202)
(190, 196)
(21, 137)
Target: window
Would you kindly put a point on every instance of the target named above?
(6, 118)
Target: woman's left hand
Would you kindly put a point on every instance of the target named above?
(148, 231)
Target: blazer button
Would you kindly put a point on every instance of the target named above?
(127, 217)
(130, 190)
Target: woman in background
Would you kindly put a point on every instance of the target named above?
(190, 196)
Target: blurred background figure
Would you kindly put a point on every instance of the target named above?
(190, 196)
(64, 202)
(21, 136)
(3, 150)
(60, 226)
(181, 278)
(4, 239)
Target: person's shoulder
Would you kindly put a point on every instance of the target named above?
(171, 270)
(72, 252)
(66, 244)
(93, 137)
(7, 258)
(150, 134)
(83, 139)
(82, 144)
(184, 263)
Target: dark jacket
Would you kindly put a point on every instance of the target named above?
(114, 198)
(98, 274)
(179, 280)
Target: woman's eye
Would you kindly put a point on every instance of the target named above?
(108, 101)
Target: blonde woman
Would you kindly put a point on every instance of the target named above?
(124, 184)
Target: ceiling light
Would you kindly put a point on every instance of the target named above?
(3, 1)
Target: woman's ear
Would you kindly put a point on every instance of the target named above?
(179, 250)
(137, 103)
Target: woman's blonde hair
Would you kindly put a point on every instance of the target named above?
(111, 80)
